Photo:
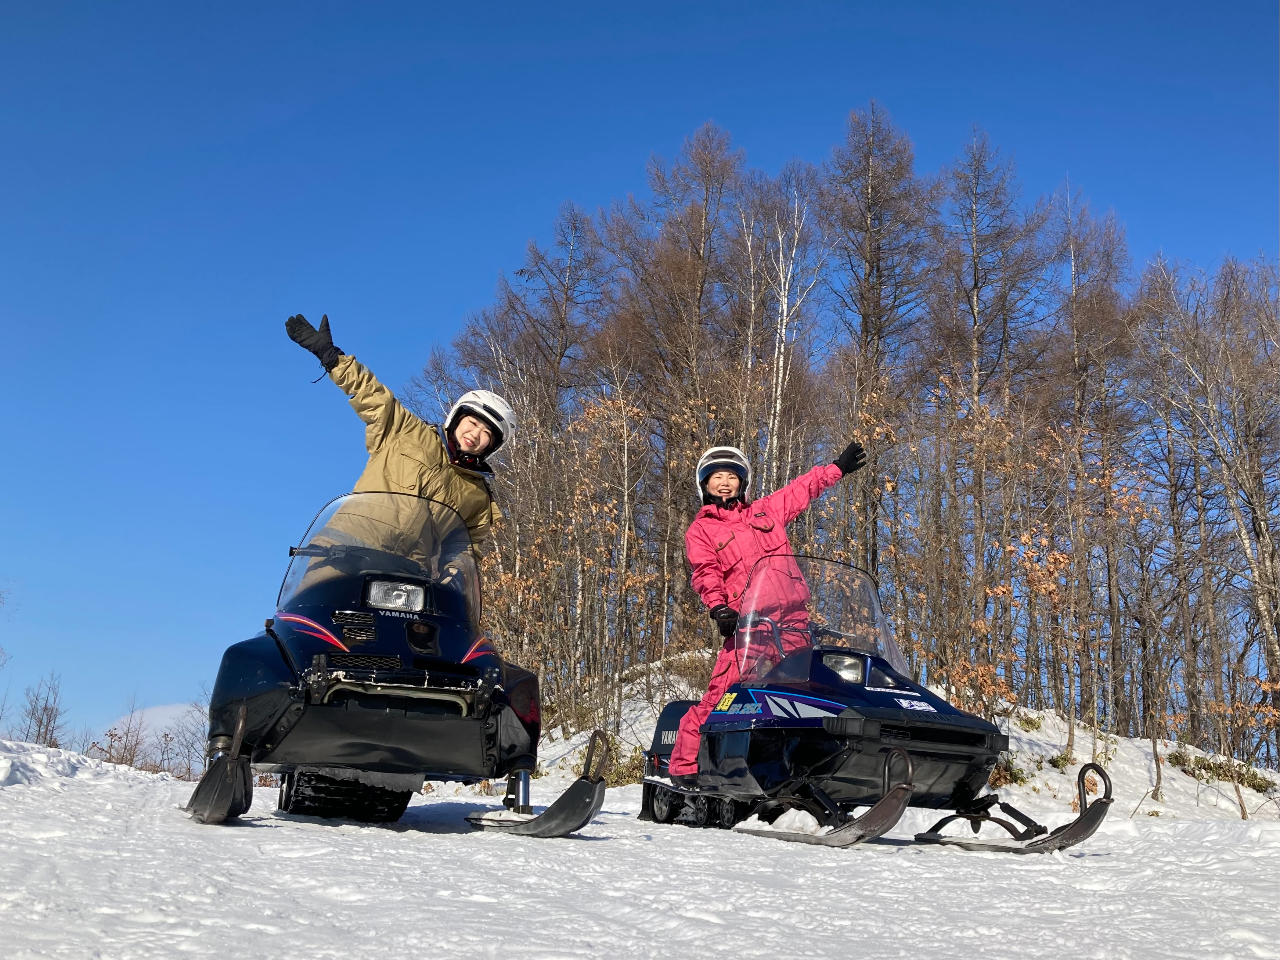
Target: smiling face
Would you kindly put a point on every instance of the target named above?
(473, 435)
(723, 484)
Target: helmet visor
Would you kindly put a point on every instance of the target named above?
(707, 469)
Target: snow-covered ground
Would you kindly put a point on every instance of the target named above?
(99, 861)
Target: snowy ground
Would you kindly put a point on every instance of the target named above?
(99, 861)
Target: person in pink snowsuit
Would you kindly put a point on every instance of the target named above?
(727, 537)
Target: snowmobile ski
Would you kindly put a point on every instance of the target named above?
(1033, 838)
(876, 822)
(572, 810)
(226, 789)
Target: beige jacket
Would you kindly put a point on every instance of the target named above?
(408, 455)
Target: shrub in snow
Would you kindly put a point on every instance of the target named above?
(1006, 772)
(1209, 769)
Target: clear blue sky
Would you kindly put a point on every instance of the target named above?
(178, 178)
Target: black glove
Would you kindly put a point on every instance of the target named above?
(726, 619)
(318, 342)
(853, 458)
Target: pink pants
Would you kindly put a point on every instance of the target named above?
(684, 755)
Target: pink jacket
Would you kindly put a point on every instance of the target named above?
(723, 544)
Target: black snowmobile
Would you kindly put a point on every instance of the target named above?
(825, 719)
(373, 677)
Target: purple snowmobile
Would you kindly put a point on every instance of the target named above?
(825, 719)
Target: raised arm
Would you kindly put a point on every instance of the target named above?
(373, 403)
(793, 499)
(377, 406)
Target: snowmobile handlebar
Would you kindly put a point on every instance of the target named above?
(309, 551)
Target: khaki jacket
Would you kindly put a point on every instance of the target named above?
(408, 455)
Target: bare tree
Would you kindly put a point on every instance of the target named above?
(43, 718)
(126, 740)
(1075, 482)
(880, 216)
(79, 740)
(181, 746)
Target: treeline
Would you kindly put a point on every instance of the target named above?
(41, 717)
(1073, 492)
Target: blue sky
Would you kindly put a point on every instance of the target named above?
(178, 179)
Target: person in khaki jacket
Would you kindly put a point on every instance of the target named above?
(447, 463)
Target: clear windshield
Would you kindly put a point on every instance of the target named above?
(391, 534)
(792, 604)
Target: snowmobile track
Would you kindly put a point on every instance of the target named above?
(310, 794)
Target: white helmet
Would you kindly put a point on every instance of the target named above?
(489, 407)
(723, 458)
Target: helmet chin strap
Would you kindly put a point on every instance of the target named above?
(726, 502)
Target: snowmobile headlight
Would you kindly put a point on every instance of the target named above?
(389, 595)
(846, 668)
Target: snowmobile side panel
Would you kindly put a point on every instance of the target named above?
(253, 674)
(572, 810)
(664, 734)
(524, 697)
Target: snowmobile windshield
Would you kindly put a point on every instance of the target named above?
(385, 536)
(792, 604)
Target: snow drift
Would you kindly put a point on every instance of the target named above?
(99, 860)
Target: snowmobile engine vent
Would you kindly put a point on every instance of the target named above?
(353, 618)
(920, 734)
(354, 635)
(357, 662)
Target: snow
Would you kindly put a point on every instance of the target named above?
(98, 860)
(792, 821)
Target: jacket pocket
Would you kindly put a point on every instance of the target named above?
(770, 532)
(407, 472)
(728, 552)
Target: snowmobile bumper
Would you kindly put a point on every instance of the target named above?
(442, 726)
(388, 735)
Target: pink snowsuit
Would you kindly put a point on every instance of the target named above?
(723, 544)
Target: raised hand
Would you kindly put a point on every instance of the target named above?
(853, 458)
(319, 342)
